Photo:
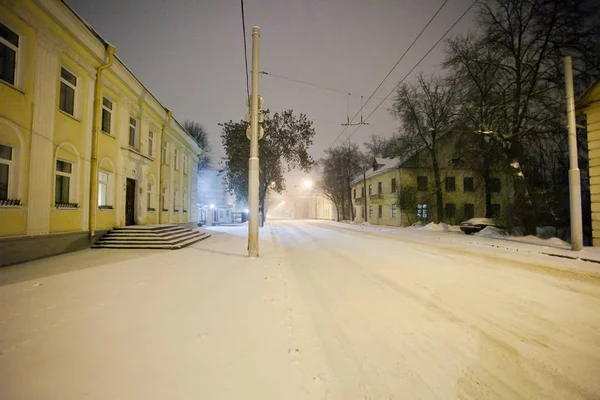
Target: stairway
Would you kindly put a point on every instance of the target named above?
(168, 237)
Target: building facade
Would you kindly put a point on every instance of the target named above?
(401, 191)
(589, 105)
(84, 146)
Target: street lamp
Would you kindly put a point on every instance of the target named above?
(308, 184)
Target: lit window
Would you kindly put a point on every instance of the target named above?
(132, 132)
(394, 211)
(107, 106)
(422, 211)
(103, 188)
(64, 171)
(150, 143)
(9, 50)
(68, 86)
(6, 159)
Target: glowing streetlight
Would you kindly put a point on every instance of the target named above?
(212, 206)
(307, 184)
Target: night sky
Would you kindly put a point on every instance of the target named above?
(190, 54)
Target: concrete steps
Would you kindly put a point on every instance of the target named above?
(167, 237)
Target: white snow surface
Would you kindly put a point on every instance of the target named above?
(329, 311)
(491, 231)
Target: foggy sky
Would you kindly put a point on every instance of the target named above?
(190, 55)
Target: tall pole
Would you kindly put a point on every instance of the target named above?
(574, 176)
(253, 162)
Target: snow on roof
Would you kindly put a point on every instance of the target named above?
(384, 165)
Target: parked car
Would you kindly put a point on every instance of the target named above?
(476, 224)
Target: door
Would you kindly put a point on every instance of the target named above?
(130, 202)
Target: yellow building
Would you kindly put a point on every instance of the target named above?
(84, 146)
(589, 104)
(400, 191)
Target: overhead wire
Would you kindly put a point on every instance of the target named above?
(393, 68)
(416, 65)
(245, 49)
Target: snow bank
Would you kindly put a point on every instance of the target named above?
(553, 241)
(491, 232)
(441, 227)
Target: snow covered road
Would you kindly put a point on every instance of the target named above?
(327, 312)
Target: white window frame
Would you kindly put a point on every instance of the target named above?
(72, 176)
(74, 87)
(111, 131)
(17, 51)
(150, 143)
(394, 211)
(165, 150)
(176, 158)
(150, 196)
(109, 182)
(164, 199)
(185, 163)
(9, 190)
(422, 211)
(136, 135)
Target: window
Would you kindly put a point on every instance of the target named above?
(370, 211)
(227, 213)
(176, 158)
(380, 211)
(422, 211)
(494, 185)
(422, 183)
(175, 203)
(469, 211)
(64, 171)
(103, 188)
(107, 107)
(354, 193)
(450, 210)
(370, 190)
(362, 191)
(394, 211)
(379, 188)
(164, 199)
(450, 184)
(185, 163)
(165, 153)
(184, 201)
(393, 185)
(149, 201)
(6, 158)
(132, 132)
(468, 185)
(495, 211)
(9, 50)
(68, 85)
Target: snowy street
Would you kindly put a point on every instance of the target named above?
(329, 311)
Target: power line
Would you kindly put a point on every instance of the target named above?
(310, 84)
(245, 50)
(394, 67)
(417, 64)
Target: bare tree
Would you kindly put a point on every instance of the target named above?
(426, 110)
(200, 135)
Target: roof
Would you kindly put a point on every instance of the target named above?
(105, 43)
(591, 95)
(384, 165)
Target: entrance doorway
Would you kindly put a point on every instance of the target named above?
(130, 202)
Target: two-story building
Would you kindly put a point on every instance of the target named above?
(401, 191)
(84, 146)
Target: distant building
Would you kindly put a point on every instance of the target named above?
(141, 166)
(400, 191)
(215, 203)
(301, 200)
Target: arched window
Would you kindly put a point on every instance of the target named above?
(66, 176)
(11, 147)
(106, 184)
